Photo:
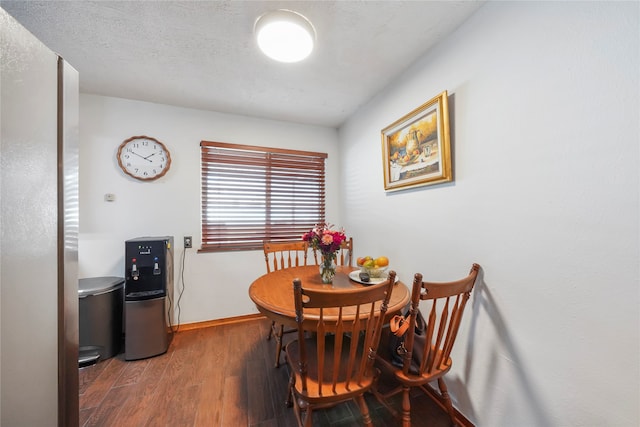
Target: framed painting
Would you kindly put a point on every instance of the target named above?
(416, 150)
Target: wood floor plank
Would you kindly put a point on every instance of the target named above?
(155, 369)
(209, 407)
(109, 408)
(239, 340)
(234, 413)
(179, 407)
(213, 351)
(177, 382)
(132, 373)
(87, 375)
(279, 386)
(287, 420)
(259, 407)
(210, 402)
(179, 368)
(277, 379)
(137, 410)
(98, 389)
(85, 414)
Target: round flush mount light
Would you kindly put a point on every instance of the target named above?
(285, 35)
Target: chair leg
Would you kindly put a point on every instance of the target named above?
(364, 410)
(406, 407)
(302, 410)
(273, 326)
(304, 416)
(308, 419)
(298, 413)
(289, 402)
(278, 336)
(447, 400)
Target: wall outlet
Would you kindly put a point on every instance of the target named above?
(188, 242)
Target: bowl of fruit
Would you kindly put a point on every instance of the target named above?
(374, 267)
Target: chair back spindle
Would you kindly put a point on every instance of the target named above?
(345, 254)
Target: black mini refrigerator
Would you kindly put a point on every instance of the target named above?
(148, 296)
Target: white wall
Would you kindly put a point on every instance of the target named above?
(545, 131)
(215, 284)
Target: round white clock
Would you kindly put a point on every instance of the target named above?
(144, 158)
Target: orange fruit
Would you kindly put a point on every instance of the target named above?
(382, 261)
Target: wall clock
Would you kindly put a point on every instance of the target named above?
(143, 158)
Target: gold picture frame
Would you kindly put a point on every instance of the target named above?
(416, 150)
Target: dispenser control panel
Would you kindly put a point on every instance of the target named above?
(148, 265)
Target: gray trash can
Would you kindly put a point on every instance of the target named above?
(101, 302)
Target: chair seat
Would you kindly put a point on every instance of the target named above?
(342, 390)
(383, 362)
(415, 380)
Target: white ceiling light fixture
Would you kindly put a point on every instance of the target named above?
(285, 35)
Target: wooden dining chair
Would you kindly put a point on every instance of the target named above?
(279, 255)
(334, 363)
(445, 306)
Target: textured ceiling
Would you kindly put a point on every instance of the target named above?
(202, 54)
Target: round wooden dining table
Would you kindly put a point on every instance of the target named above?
(272, 293)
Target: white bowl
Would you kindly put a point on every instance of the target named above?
(375, 272)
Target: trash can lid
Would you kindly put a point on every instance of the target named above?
(98, 285)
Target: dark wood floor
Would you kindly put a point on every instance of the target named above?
(216, 376)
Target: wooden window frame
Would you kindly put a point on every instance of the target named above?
(252, 194)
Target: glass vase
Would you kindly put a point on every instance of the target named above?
(328, 267)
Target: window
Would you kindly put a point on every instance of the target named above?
(252, 194)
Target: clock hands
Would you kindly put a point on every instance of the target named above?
(142, 157)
